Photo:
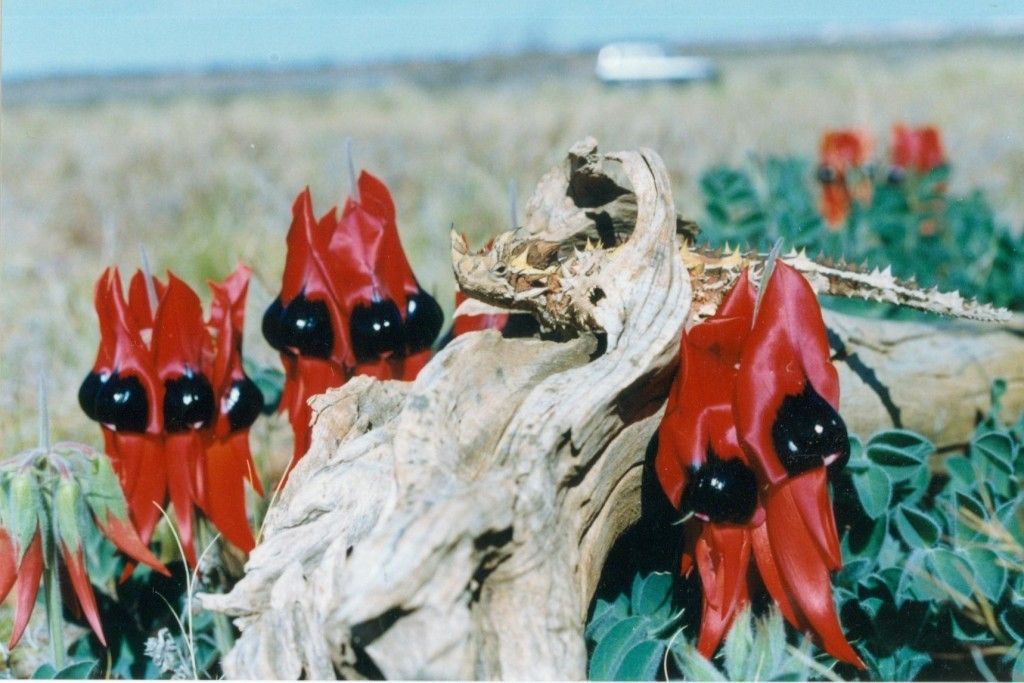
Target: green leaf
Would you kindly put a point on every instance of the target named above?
(962, 473)
(997, 448)
(44, 671)
(874, 489)
(76, 671)
(606, 615)
(641, 662)
(917, 529)
(965, 502)
(989, 575)
(693, 665)
(916, 583)
(901, 452)
(952, 571)
(652, 595)
(612, 649)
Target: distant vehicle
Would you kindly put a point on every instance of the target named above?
(650, 62)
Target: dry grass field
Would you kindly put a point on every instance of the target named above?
(203, 179)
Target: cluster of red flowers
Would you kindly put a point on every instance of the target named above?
(844, 154)
(749, 438)
(349, 302)
(174, 403)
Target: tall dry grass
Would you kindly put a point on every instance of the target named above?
(204, 182)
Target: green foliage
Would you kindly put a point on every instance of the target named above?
(630, 633)
(756, 649)
(932, 584)
(912, 225)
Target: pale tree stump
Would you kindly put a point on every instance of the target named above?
(456, 527)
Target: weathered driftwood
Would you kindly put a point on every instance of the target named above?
(456, 527)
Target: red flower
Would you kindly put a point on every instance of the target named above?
(174, 407)
(228, 462)
(349, 303)
(916, 149)
(744, 445)
(700, 463)
(839, 152)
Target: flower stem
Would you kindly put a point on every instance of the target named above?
(44, 413)
(54, 608)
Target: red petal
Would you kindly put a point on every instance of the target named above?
(227, 320)
(723, 559)
(150, 487)
(919, 149)
(842, 149)
(411, 365)
(131, 355)
(810, 494)
(29, 573)
(8, 564)
(181, 453)
(224, 503)
(297, 261)
(138, 298)
(787, 348)
(770, 577)
(75, 564)
(103, 301)
(123, 535)
(804, 573)
(180, 339)
(313, 376)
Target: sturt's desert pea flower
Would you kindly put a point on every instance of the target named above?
(349, 302)
(917, 150)
(161, 388)
(748, 437)
(841, 154)
(50, 495)
(704, 471)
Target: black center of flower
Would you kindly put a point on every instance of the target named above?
(376, 330)
(807, 431)
(188, 403)
(303, 327)
(242, 404)
(116, 401)
(307, 327)
(273, 325)
(722, 491)
(826, 174)
(423, 321)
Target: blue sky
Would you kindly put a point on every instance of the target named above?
(42, 37)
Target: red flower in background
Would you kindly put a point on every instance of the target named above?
(916, 149)
(839, 152)
(174, 406)
(349, 303)
(748, 433)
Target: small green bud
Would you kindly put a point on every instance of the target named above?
(25, 508)
(66, 503)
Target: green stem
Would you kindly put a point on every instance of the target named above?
(54, 609)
